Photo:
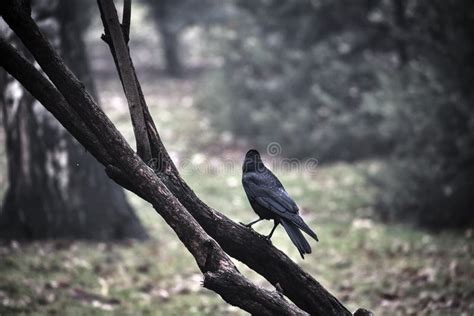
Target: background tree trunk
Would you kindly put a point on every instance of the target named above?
(162, 11)
(56, 188)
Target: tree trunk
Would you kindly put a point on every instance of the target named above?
(56, 188)
(161, 11)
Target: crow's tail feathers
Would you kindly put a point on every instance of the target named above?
(302, 225)
(296, 237)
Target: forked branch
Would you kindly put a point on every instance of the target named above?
(115, 38)
(160, 159)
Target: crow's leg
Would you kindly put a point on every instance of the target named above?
(251, 223)
(273, 229)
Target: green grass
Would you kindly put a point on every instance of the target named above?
(390, 269)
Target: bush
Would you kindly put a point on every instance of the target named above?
(430, 176)
(305, 92)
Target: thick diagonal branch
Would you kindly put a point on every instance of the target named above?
(262, 257)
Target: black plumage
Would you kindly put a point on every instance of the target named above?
(269, 200)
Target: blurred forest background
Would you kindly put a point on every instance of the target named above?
(379, 92)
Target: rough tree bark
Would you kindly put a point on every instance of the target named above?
(56, 188)
(193, 222)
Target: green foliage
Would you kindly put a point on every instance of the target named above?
(430, 176)
(297, 74)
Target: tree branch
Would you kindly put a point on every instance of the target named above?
(262, 257)
(115, 39)
(161, 160)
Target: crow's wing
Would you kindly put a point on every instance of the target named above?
(274, 198)
(269, 195)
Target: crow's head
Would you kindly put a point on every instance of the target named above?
(252, 161)
(252, 153)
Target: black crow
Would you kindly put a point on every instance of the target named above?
(269, 200)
